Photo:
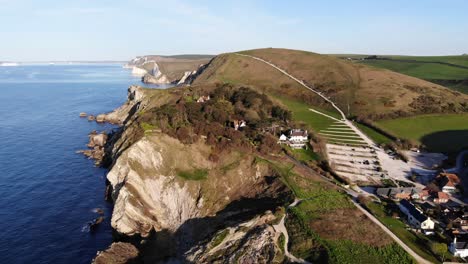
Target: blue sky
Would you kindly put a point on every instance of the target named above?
(32, 30)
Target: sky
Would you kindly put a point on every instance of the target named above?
(44, 30)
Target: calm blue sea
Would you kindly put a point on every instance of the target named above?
(47, 191)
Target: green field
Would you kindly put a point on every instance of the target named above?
(300, 112)
(427, 71)
(374, 135)
(431, 68)
(443, 133)
(305, 154)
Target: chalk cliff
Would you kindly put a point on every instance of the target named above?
(168, 69)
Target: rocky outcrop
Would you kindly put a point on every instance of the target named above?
(253, 241)
(96, 145)
(135, 96)
(117, 253)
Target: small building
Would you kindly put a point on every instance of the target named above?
(459, 246)
(297, 138)
(425, 194)
(441, 198)
(399, 193)
(283, 138)
(203, 98)
(298, 135)
(448, 182)
(239, 124)
(416, 218)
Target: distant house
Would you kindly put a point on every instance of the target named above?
(399, 193)
(459, 246)
(448, 182)
(283, 138)
(416, 218)
(441, 198)
(297, 138)
(239, 124)
(203, 98)
(425, 194)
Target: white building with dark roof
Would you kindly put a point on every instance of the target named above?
(459, 247)
(297, 138)
(416, 218)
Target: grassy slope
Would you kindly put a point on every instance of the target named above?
(415, 242)
(367, 90)
(444, 133)
(374, 135)
(348, 242)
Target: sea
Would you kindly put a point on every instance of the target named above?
(48, 192)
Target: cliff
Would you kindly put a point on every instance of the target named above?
(171, 193)
(168, 69)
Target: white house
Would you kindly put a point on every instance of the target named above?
(298, 136)
(416, 218)
(283, 138)
(459, 247)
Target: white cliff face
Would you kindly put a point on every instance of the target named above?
(137, 71)
(147, 198)
(184, 78)
(149, 195)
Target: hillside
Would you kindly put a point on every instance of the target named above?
(360, 90)
(449, 71)
(189, 187)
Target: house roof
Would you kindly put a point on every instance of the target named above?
(298, 133)
(383, 192)
(462, 242)
(394, 191)
(442, 195)
(448, 179)
(413, 211)
(452, 177)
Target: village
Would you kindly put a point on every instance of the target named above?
(435, 210)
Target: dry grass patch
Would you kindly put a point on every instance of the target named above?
(349, 224)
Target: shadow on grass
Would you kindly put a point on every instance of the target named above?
(446, 141)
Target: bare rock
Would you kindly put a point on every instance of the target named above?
(117, 253)
(254, 241)
(91, 118)
(101, 118)
(83, 114)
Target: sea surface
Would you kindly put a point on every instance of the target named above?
(47, 191)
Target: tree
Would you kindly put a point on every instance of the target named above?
(439, 249)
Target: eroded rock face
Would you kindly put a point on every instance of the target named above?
(96, 145)
(149, 195)
(118, 116)
(253, 241)
(117, 253)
